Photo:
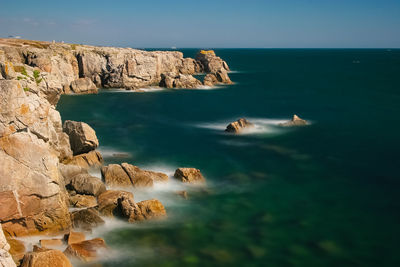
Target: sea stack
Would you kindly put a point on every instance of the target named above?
(295, 121)
(238, 126)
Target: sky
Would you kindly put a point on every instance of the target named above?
(207, 23)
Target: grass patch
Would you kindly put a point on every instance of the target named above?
(26, 89)
(36, 76)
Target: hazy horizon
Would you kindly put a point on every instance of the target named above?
(208, 24)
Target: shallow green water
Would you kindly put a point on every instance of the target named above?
(321, 195)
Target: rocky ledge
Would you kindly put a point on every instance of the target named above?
(44, 170)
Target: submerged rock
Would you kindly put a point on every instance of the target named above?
(295, 121)
(189, 175)
(86, 251)
(46, 258)
(82, 137)
(238, 126)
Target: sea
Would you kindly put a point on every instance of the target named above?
(325, 194)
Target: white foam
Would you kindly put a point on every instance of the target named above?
(139, 90)
(109, 152)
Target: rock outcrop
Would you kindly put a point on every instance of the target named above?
(210, 62)
(295, 121)
(238, 126)
(189, 175)
(82, 137)
(5, 258)
(172, 80)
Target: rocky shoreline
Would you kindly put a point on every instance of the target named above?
(44, 164)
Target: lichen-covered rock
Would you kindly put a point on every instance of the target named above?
(83, 86)
(46, 258)
(88, 250)
(87, 160)
(295, 121)
(238, 126)
(5, 258)
(189, 175)
(86, 219)
(173, 80)
(82, 137)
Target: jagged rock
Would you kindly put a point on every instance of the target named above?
(210, 79)
(86, 219)
(5, 258)
(87, 160)
(108, 202)
(74, 237)
(296, 121)
(88, 250)
(173, 80)
(46, 258)
(150, 209)
(17, 250)
(83, 201)
(139, 178)
(114, 175)
(49, 243)
(189, 175)
(210, 62)
(82, 137)
(238, 126)
(86, 184)
(83, 86)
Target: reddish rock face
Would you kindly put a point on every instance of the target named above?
(86, 251)
(74, 237)
(238, 126)
(189, 175)
(46, 258)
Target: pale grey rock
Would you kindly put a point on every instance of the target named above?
(83, 86)
(86, 184)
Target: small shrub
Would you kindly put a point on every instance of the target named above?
(36, 76)
(26, 89)
(21, 78)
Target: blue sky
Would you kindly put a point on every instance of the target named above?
(208, 24)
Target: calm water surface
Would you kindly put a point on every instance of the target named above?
(322, 195)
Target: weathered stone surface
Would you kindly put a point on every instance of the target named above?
(108, 202)
(139, 178)
(83, 86)
(86, 184)
(5, 258)
(189, 175)
(151, 209)
(86, 219)
(88, 250)
(49, 243)
(82, 137)
(83, 201)
(74, 237)
(87, 160)
(115, 176)
(210, 62)
(238, 126)
(46, 258)
(69, 171)
(173, 80)
(295, 121)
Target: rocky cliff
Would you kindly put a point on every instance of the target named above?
(35, 188)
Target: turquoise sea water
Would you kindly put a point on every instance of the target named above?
(322, 195)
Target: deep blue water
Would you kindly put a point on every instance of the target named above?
(321, 195)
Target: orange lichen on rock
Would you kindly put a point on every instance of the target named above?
(24, 109)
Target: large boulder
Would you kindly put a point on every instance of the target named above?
(109, 201)
(92, 159)
(86, 184)
(115, 176)
(82, 137)
(189, 175)
(46, 258)
(83, 86)
(86, 219)
(143, 178)
(210, 62)
(5, 258)
(295, 121)
(238, 126)
(173, 80)
(88, 250)
(149, 209)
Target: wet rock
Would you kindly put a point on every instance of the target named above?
(93, 159)
(46, 258)
(138, 177)
(74, 237)
(86, 184)
(83, 201)
(49, 243)
(114, 175)
(86, 219)
(238, 126)
(82, 137)
(173, 80)
(189, 175)
(109, 202)
(296, 121)
(83, 86)
(151, 209)
(88, 250)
